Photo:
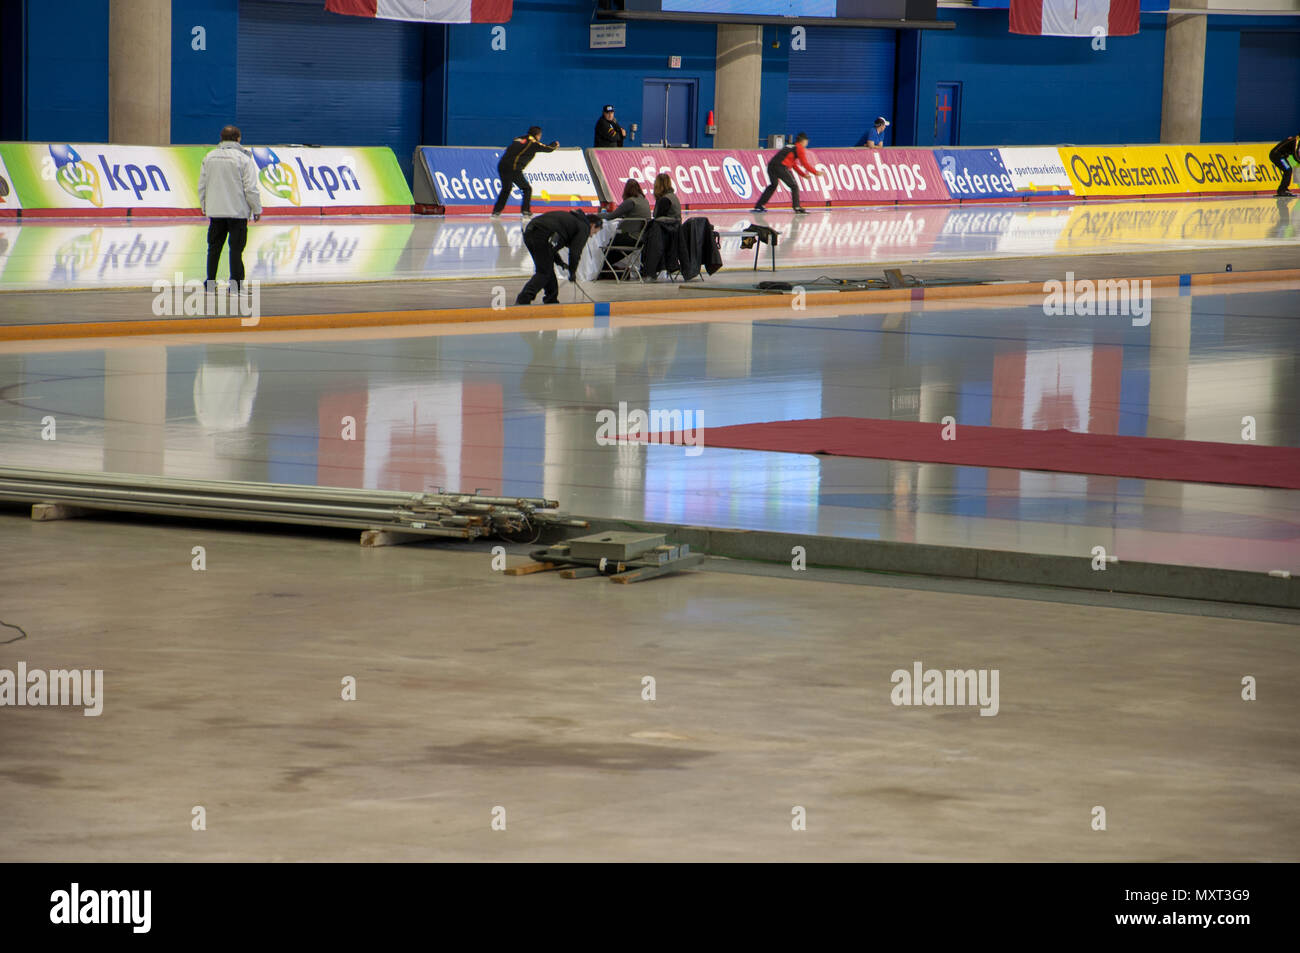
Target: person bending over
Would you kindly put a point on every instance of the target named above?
(781, 168)
(545, 237)
(514, 160)
(1286, 149)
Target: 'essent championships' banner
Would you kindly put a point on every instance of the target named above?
(466, 178)
(1170, 170)
(92, 176)
(726, 178)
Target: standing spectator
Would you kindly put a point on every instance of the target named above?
(544, 236)
(514, 160)
(1286, 149)
(876, 137)
(667, 205)
(778, 170)
(609, 134)
(228, 197)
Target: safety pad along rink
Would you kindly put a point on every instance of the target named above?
(727, 178)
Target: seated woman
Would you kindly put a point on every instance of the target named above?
(635, 209)
(668, 206)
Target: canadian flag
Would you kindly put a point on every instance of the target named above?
(427, 11)
(1075, 17)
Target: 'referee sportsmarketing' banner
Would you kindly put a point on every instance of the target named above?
(1002, 173)
(723, 178)
(91, 177)
(466, 178)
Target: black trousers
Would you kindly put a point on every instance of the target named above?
(509, 178)
(1285, 166)
(779, 173)
(219, 229)
(538, 243)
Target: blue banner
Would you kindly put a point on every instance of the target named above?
(975, 174)
(467, 178)
(1012, 173)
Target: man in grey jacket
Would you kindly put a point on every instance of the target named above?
(229, 198)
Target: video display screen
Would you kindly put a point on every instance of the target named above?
(758, 8)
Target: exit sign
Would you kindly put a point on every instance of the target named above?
(674, 62)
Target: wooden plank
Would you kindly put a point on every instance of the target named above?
(527, 569)
(581, 572)
(388, 537)
(45, 512)
(640, 575)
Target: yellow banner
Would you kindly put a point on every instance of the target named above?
(1112, 225)
(1170, 170)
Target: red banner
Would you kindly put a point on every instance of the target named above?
(732, 178)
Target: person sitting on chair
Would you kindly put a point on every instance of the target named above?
(667, 206)
(635, 210)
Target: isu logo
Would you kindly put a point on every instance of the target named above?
(76, 176)
(737, 177)
(276, 177)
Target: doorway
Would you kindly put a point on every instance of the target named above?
(947, 114)
(668, 113)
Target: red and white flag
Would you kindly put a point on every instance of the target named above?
(427, 11)
(1075, 17)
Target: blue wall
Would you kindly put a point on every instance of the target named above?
(203, 81)
(1219, 94)
(772, 111)
(1016, 90)
(66, 70)
(548, 76)
(1025, 90)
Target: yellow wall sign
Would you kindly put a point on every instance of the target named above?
(1170, 170)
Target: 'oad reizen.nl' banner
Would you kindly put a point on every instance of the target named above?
(727, 178)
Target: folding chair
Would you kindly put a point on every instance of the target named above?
(628, 263)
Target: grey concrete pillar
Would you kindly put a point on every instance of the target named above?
(140, 72)
(739, 77)
(1180, 112)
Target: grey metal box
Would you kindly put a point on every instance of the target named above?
(620, 546)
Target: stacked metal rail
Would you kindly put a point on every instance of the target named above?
(458, 515)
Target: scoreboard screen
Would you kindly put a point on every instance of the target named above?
(760, 8)
(771, 11)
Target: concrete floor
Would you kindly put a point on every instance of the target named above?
(222, 689)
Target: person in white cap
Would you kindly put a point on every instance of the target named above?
(876, 138)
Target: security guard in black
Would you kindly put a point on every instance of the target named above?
(609, 134)
(518, 154)
(545, 237)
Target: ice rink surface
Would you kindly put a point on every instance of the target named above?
(510, 407)
(93, 254)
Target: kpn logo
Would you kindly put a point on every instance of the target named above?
(76, 176)
(276, 177)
